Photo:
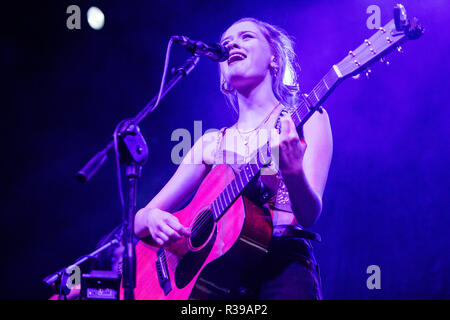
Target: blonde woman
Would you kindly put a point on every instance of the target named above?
(260, 82)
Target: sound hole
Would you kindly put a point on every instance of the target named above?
(202, 229)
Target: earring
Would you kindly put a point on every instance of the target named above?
(225, 89)
(274, 67)
(274, 70)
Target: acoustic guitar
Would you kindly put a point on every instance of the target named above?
(229, 232)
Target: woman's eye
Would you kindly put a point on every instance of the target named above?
(247, 36)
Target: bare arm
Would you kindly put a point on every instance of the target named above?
(154, 220)
(304, 165)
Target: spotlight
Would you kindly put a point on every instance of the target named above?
(96, 18)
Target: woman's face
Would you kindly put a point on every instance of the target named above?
(250, 55)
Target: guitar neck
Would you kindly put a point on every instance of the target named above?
(381, 43)
(310, 104)
(312, 101)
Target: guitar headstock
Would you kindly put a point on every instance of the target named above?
(387, 38)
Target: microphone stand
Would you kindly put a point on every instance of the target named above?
(133, 152)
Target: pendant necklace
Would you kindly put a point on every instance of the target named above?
(246, 135)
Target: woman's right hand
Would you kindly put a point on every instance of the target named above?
(164, 228)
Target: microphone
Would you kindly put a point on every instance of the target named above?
(214, 51)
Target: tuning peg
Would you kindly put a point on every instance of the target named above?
(400, 49)
(368, 73)
(356, 76)
(385, 61)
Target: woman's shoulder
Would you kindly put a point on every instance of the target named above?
(319, 123)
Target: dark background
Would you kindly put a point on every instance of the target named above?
(63, 91)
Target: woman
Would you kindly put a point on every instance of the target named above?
(259, 80)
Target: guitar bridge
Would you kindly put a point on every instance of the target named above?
(163, 271)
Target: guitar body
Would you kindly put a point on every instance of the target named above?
(217, 256)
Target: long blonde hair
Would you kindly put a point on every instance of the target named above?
(285, 78)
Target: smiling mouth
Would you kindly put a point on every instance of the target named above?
(235, 57)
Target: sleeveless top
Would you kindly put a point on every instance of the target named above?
(277, 202)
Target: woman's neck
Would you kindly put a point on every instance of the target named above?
(255, 104)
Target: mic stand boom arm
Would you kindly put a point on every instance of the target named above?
(63, 275)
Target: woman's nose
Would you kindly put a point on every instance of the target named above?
(232, 44)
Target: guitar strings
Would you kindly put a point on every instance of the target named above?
(200, 225)
(204, 219)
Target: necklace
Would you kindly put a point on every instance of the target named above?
(245, 136)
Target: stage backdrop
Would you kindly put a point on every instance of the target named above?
(386, 202)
